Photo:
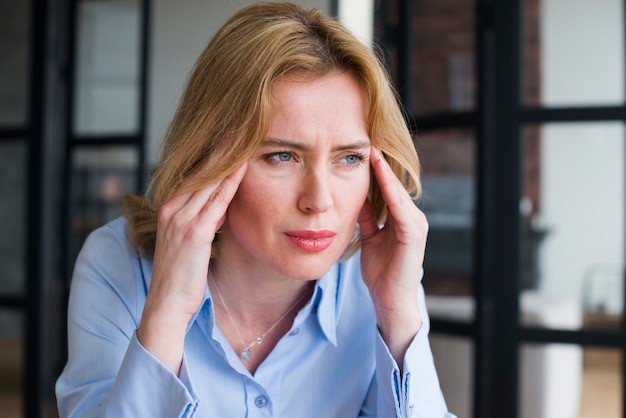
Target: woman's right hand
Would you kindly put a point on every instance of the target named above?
(187, 225)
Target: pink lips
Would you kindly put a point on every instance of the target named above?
(311, 241)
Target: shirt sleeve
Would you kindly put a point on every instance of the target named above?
(415, 392)
(109, 373)
(145, 387)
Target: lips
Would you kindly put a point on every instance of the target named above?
(311, 241)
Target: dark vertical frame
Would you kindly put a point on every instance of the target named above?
(70, 71)
(30, 133)
(33, 391)
(146, 30)
(484, 336)
(403, 43)
(43, 301)
(500, 217)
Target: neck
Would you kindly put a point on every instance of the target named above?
(255, 300)
(255, 327)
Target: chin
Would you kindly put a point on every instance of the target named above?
(310, 267)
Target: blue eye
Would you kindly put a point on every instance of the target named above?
(280, 157)
(284, 156)
(353, 159)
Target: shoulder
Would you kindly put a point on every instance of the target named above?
(112, 232)
(107, 264)
(106, 247)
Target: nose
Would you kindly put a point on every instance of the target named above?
(315, 194)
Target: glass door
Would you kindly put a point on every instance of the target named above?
(107, 116)
(518, 113)
(573, 195)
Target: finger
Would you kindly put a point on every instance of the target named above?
(394, 193)
(186, 206)
(192, 200)
(367, 220)
(214, 209)
(191, 204)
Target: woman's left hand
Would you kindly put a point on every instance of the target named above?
(392, 258)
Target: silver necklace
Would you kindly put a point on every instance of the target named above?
(246, 354)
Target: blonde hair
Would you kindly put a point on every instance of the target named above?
(225, 108)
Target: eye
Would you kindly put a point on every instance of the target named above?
(280, 157)
(352, 159)
(284, 156)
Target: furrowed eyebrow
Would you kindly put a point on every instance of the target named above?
(353, 145)
(282, 143)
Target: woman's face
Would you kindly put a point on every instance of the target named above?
(296, 208)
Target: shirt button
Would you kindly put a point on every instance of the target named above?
(294, 332)
(260, 401)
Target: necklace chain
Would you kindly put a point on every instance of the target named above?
(246, 354)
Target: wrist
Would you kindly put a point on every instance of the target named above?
(398, 327)
(163, 335)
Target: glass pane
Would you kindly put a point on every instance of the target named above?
(573, 52)
(11, 364)
(441, 60)
(107, 68)
(100, 178)
(448, 200)
(15, 69)
(454, 360)
(13, 189)
(572, 217)
(562, 380)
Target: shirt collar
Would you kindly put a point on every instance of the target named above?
(207, 319)
(327, 298)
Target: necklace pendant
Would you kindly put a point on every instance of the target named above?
(246, 353)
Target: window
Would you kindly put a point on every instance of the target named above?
(519, 114)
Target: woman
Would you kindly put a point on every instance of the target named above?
(236, 286)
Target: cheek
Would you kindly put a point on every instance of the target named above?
(353, 194)
(252, 200)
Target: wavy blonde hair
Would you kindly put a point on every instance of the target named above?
(225, 108)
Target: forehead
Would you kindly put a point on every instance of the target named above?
(306, 107)
(305, 90)
(302, 79)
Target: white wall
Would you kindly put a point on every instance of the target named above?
(582, 52)
(181, 30)
(582, 167)
(358, 16)
(583, 208)
(108, 68)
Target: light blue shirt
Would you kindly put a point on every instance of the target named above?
(332, 363)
